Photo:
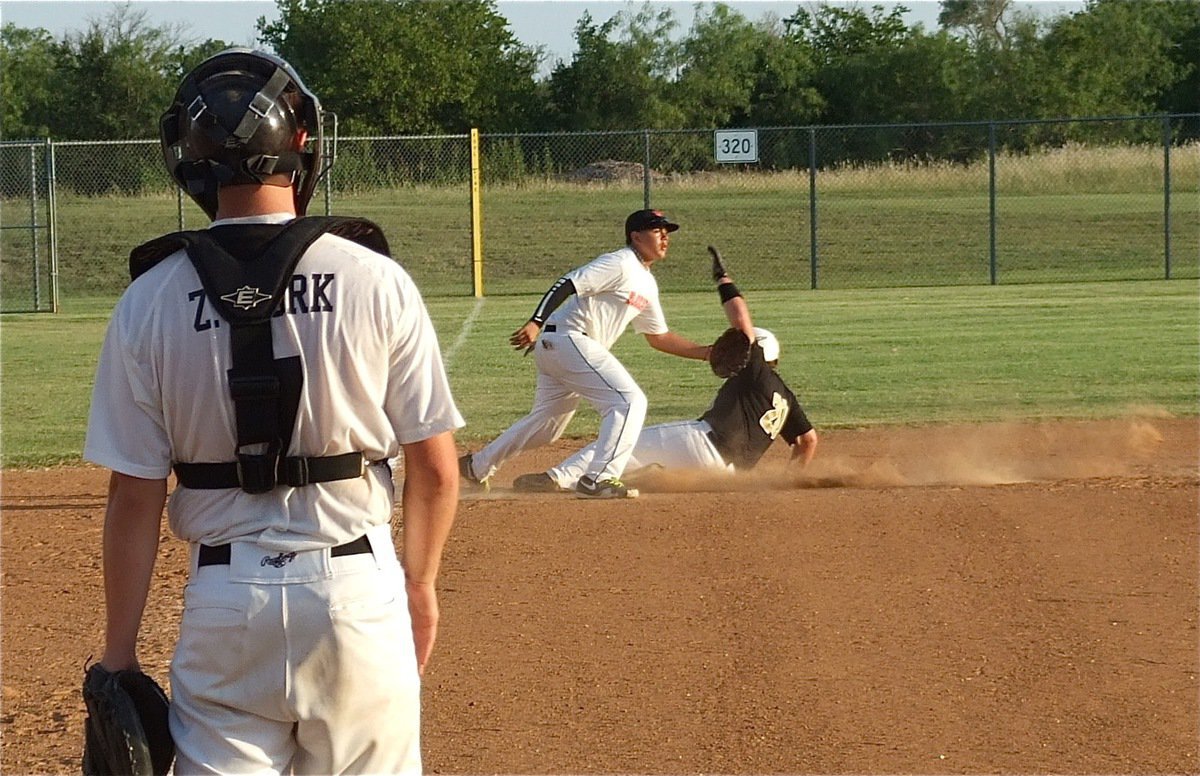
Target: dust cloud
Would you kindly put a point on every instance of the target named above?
(987, 454)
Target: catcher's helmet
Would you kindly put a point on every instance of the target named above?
(234, 120)
(770, 346)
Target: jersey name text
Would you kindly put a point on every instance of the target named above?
(306, 295)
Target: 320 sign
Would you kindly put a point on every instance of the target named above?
(735, 146)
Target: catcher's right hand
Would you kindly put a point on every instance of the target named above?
(126, 730)
(730, 353)
(718, 266)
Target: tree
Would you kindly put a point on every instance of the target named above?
(620, 83)
(186, 58)
(409, 66)
(785, 91)
(27, 85)
(717, 80)
(836, 34)
(1180, 22)
(115, 78)
(741, 74)
(1012, 81)
(982, 21)
(872, 68)
(1112, 58)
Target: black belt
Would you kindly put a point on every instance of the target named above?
(218, 555)
(293, 471)
(550, 327)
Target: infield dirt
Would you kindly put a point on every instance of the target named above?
(1002, 598)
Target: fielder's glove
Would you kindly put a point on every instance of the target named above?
(730, 353)
(126, 730)
(718, 266)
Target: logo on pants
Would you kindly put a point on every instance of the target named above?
(278, 561)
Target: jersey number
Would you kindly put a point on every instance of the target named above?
(773, 419)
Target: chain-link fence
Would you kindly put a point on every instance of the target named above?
(821, 207)
(27, 257)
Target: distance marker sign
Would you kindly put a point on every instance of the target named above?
(735, 146)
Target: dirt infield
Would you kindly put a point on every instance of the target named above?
(1003, 598)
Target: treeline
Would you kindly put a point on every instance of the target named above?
(402, 67)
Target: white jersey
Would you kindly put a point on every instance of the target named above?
(373, 380)
(610, 291)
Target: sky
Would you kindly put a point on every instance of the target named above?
(547, 23)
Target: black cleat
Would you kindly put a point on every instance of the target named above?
(466, 474)
(541, 482)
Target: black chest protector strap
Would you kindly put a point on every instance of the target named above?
(246, 271)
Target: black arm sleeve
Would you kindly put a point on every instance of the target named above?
(557, 294)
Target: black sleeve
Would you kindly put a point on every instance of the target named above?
(797, 423)
(557, 294)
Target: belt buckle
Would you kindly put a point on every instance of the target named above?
(295, 471)
(256, 473)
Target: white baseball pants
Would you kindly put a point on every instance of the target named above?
(303, 665)
(570, 366)
(682, 444)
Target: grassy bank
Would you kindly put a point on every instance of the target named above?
(1070, 214)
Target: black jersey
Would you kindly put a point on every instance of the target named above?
(750, 410)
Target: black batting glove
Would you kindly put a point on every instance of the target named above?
(718, 267)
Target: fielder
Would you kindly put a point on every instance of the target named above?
(752, 408)
(570, 332)
(275, 364)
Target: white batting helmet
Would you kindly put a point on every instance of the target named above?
(766, 340)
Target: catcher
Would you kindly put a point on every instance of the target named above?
(304, 628)
(752, 407)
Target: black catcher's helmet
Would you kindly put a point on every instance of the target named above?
(234, 120)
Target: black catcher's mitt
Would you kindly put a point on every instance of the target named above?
(730, 353)
(126, 730)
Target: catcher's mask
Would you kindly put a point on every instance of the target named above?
(235, 120)
(770, 346)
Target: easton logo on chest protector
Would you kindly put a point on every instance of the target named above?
(246, 270)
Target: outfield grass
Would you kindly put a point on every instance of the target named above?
(855, 357)
(1072, 214)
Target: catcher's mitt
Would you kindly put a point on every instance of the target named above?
(126, 731)
(730, 353)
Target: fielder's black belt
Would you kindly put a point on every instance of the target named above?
(294, 471)
(218, 555)
(550, 327)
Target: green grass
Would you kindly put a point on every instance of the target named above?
(855, 357)
(1065, 215)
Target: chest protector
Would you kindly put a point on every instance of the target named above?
(246, 270)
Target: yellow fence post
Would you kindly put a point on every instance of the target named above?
(476, 216)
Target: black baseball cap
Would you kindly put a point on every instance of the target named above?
(640, 220)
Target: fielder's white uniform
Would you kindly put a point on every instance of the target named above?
(751, 410)
(573, 361)
(289, 659)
